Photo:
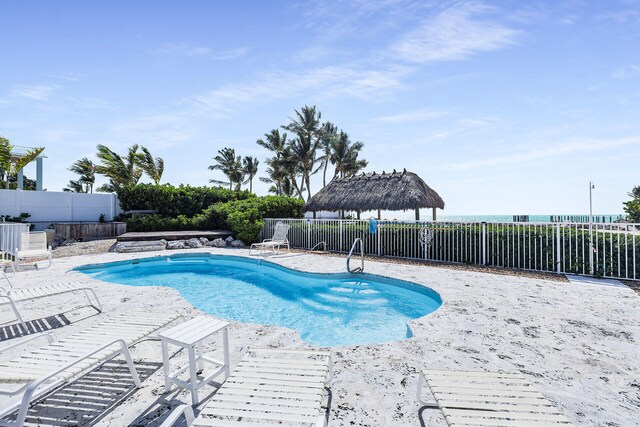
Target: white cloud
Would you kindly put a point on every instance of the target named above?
(35, 92)
(180, 49)
(155, 131)
(326, 81)
(411, 116)
(569, 147)
(456, 33)
(626, 72)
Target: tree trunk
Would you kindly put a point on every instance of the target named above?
(324, 173)
(308, 181)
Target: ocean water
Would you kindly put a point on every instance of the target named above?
(326, 309)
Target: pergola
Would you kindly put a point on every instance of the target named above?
(19, 152)
(367, 192)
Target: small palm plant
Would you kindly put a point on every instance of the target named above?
(11, 164)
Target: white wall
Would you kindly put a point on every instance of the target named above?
(46, 207)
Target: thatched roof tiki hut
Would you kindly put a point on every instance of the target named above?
(387, 191)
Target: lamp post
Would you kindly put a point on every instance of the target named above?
(591, 187)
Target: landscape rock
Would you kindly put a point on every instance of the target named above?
(141, 246)
(176, 244)
(237, 244)
(219, 243)
(204, 241)
(229, 240)
(68, 242)
(193, 243)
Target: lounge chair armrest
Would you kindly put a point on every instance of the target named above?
(267, 240)
(28, 340)
(176, 413)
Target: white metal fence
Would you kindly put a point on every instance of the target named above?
(10, 236)
(606, 250)
(46, 207)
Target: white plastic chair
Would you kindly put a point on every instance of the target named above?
(488, 399)
(33, 246)
(278, 240)
(10, 295)
(40, 371)
(268, 387)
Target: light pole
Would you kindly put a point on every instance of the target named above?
(591, 187)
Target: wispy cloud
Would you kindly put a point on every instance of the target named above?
(67, 76)
(526, 155)
(456, 33)
(35, 92)
(626, 72)
(159, 130)
(412, 116)
(180, 49)
(327, 81)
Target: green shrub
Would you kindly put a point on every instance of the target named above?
(173, 201)
(242, 217)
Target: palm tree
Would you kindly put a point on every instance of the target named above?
(329, 134)
(121, 171)
(276, 143)
(152, 167)
(87, 171)
(11, 165)
(306, 127)
(250, 168)
(75, 187)
(345, 156)
(231, 166)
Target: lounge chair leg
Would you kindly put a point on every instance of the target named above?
(132, 368)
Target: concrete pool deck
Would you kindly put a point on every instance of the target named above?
(578, 344)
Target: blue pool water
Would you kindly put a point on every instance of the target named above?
(326, 309)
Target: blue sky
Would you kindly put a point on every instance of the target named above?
(502, 107)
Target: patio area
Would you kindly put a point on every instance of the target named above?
(577, 343)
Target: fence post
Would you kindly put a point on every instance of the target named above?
(558, 250)
(309, 233)
(484, 243)
(378, 232)
(340, 237)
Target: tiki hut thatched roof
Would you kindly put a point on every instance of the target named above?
(387, 191)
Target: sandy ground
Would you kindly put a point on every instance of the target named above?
(579, 345)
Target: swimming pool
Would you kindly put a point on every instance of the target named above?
(326, 309)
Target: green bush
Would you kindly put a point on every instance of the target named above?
(172, 201)
(242, 217)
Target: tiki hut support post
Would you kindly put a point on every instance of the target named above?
(358, 213)
(314, 214)
(434, 214)
(379, 218)
(417, 214)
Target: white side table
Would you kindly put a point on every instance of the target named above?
(190, 335)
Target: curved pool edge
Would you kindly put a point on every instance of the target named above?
(249, 260)
(411, 324)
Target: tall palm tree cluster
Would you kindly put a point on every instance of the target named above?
(122, 171)
(10, 164)
(313, 147)
(238, 170)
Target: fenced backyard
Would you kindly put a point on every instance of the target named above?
(604, 250)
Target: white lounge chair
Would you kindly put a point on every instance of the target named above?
(268, 388)
(278, 240)
(488, 398)
(10, 295)
(5, 261)
(40, 371)
(33, 246)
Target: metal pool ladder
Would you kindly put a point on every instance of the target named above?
(353, 247)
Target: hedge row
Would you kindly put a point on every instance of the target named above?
(172, 201)
(242, 217)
